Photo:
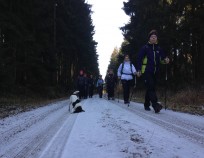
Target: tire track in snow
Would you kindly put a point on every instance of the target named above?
(31, 142)
(11, 132)
(56, 145)
(180, 127)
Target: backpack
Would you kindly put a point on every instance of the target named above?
(123, 67)
(133, 80)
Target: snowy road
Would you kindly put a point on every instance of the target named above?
(107, 129)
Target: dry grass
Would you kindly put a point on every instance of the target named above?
(190, 101)
(12, 106)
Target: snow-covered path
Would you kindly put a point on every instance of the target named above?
(107, 129)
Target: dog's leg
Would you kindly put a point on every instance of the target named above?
(69, 107)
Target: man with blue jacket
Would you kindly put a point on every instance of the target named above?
(149, 59)
(99, 85)
(126, 71)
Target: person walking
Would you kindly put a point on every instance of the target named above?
(81, 84)
(86, 84)
(126, 71)
(99, 86)
(148, 62)
(91, 86)
(111, 81)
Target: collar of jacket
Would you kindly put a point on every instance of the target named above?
(126, 62)
(152, 44)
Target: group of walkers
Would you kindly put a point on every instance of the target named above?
(148, 62)
(85, 85)
(149, 59)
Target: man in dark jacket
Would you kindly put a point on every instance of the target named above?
(149, 59)
(91, 86)
(81, 84)
(99, 86)
(86, 84)
(111, 80)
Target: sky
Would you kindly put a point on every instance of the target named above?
(107, 17)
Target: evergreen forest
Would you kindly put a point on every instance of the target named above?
(43, 45)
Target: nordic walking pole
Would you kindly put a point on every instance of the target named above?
(118, 89)
(132, 92)
(166, 78)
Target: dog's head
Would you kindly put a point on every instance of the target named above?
(76, 92)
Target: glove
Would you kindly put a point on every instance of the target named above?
(139, 73)
(166, 60)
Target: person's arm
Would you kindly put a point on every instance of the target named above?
(163, 58)
(140, 58)
(134, 71)
(97, 83)
(115, 80)
(106, 78)
(119, 71)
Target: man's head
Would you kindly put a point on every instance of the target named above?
(81, 72)
(126, 58)
(153, 37)
(110, 71)
(100, 76)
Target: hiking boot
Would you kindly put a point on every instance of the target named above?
(157, 107)
(147, 106)
(126, 102)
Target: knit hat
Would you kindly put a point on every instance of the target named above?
(153, 32)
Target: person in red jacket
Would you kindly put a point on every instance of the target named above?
(81, 84)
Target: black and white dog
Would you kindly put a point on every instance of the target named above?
(75, 105)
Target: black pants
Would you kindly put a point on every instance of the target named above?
(126, 89)
(81, 91)
(85, 91)
(110, 90)
(100, 91)
(91, 91)
(150, 84)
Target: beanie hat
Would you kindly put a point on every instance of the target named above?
(153, 32)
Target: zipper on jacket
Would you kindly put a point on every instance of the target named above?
(154, 60)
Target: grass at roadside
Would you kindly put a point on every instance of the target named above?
(189, 101)
(14, 105)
